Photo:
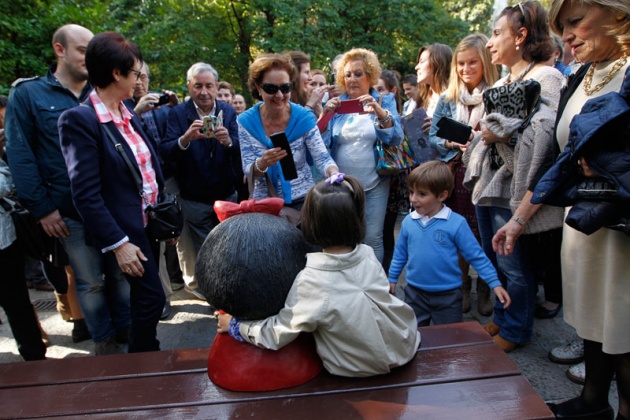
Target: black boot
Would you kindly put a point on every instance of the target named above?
(80, 331)
(575, 409)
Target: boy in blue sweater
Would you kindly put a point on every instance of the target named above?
(429, 240)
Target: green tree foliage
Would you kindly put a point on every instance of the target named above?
(174, 34)
(26, 31)
(478, 13)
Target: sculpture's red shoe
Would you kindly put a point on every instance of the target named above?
(243, 367)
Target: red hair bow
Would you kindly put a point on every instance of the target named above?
(226, 209)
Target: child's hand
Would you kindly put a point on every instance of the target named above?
(224, 323)
(503, 296)
(392, 288)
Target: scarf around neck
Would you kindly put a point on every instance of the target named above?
(470, 107)
(301, 122)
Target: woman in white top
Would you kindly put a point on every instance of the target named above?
(595, 267)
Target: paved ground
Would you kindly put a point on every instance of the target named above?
(191, 324)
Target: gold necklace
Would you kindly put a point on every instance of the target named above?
(588, 78)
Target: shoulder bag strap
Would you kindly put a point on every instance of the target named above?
(250, 184)
(119, 148)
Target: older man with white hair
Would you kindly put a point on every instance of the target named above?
(202, 142)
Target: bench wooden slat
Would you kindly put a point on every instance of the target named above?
(171, 390)
(453, 335)
(86, 369)
(486, 399)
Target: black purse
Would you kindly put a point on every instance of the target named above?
(30, 235)
(165, 218)
(453, 130)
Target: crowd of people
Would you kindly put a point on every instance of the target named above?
(537, 193)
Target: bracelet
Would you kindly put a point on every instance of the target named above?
(385, 120)
(308, 106)
(258, 167)
(519, 221)
(234, 330)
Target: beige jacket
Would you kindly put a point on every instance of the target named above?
(360, 329)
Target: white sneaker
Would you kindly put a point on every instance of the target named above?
(568, 354)
(576, 373)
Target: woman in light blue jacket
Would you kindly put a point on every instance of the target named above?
(352, 137)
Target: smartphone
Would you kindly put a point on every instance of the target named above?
(208, 126)
(333, 76)
(164, 99)
(287, 163)
(350, 107)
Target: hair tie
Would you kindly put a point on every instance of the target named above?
(338, 178)
(335, 178)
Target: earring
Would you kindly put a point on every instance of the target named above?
(517, 47)
(620, 17)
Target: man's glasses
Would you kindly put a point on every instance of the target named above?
(136, 72)
(356, 74)
(272, 89)
(144, 77)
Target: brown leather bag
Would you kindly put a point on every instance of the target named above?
(291, 215)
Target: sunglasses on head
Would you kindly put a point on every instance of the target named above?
(271, 89)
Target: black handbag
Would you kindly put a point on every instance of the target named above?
(165, 218)
(30, 235)
(453, 130)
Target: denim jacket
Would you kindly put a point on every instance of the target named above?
(448, 109)
(33, 149)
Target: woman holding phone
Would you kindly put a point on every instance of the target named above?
(270, 81)
(352, 136)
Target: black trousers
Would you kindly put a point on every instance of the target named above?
(16, 302)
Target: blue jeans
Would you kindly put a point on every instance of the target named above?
(517, 320)
(104, 299)
(375, 208)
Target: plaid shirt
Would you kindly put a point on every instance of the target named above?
(137, 144)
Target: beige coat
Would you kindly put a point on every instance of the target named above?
(360, 329)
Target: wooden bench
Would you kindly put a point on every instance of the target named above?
(458, 372)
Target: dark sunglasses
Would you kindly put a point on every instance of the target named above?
(271, 89)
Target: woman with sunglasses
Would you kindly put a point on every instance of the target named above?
(270, 81)
(352, 137)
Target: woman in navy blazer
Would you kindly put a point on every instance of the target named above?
(103, 188)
